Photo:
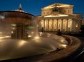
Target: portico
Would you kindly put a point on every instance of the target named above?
(59, 21)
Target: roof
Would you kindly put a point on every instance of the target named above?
(16, 17)
(57, 5)
(15, 14)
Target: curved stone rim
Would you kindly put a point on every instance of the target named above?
(63, 53)
(18, 48)
(60, 54)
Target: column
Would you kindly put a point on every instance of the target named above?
(48, 24)
(62, 25)
(52, 24)
(67, 25)
(57, 24)
(44, 24)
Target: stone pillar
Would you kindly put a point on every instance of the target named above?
(52, 24)
(48, 24)
(67, 25)
(62, 25)
(44, 24)
(57, 24)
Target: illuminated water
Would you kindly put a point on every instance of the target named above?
(13, 46)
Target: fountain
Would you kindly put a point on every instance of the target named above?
(19, 37)
(19, 40)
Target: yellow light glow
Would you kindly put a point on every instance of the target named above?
(2, 17)
(62, 40)
(63, 45)
(13, 24)
(56, 5)
(42, 23)
(3, 37)
(7, 36)
(0, 32)
(13, 28)
(76, 25)
(59, 15)
(11, 31)
(69, 23)
(48, 7)
(63, 15)
(36, 37)
(69, 26)
(40, 33)
(21, 43)
(63, 6)
(29, 36)
(32, 32)
(48, 35)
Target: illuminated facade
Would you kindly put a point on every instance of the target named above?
(59, 17)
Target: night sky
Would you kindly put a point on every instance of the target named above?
(34, 6)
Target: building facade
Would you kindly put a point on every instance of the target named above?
(59, 17)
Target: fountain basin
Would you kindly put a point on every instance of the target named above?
(18, 48)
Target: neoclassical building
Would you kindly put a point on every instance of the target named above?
(59, 17)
